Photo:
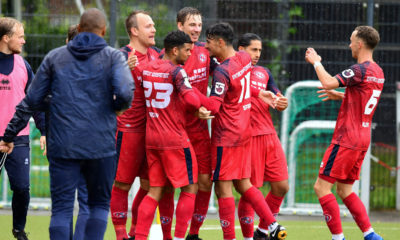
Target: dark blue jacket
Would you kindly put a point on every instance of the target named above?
(81, 85)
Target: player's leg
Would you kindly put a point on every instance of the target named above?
(64, 177)
(167, 207)
(276, 172)
(201, 145)
(330, 207)
(143, 190)
(131, 155)
(184, 210)
(149, 203)
(83, 213)
(17, 166)
(99, 193)
(352, 201)
(253, 196)
(226, 207)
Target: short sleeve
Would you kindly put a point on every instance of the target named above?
(351, 76)
(220, 83)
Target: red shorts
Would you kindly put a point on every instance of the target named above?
(202, 147)
(342, 163)
(231, 162)
(176, 167)
(131, 157)
(268, 162)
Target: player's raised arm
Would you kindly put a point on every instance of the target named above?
(328, 82)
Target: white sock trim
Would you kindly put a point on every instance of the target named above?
(338, 236)
(371, 230)
(263, 230)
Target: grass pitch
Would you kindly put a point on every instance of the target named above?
(37, 226)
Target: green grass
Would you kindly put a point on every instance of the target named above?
(37, 226)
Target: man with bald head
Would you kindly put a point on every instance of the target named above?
(82, 86)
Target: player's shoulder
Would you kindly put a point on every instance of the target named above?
(154, 50)
(126, 50)
(199, 44)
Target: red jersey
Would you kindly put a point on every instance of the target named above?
(231, 86)
(165, 85)
(198, 68)
(134, 119)
(364, 84)
(261, 121)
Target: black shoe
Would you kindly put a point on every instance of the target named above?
(278, 234)
(192, 237)
(258, 235)
(130, 238)
(20, 234)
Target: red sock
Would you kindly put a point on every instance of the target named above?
(200, 211)
(274, 203)
(256, 199)
(166, 206)
(331, 211)
(357, 209)
(119, 211)
(227, 217)
(246, 218)
(145, 217)
(184, 211)
(135, 205)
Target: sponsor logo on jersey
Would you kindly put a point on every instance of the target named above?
(247, 106)
(259, 74)
(198, 217)
(219, 88)
(5, 84)
(165, 220)
(327, 217)
(348, 73)
(202, 57)
(246, 220)
(120, 214)
(224, 223)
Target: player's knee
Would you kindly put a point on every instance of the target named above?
(318, 189)
(342, 193)
(282, 190)
(122, 186)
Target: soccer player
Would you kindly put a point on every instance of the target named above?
(343, 158)
(231, 130)
(88, 83)
(267, 156)
(197, 67)
(131, 127)
(170, 155)
(16, 76)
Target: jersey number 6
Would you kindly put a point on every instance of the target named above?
(372, 102)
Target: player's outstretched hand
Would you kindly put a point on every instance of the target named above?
(204, 114)
(6, 147)
(43, 145)
(269, 98)
(312, 56)
(329, 94)
(132, 60)
(281, 103)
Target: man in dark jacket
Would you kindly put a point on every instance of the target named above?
(83, 84)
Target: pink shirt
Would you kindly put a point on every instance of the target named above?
(12, 91)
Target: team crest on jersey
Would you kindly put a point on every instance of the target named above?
(224, 223)
(259, 74)
(246, 220)
(202, 57)
(199, 217)
(348, 73)
(165, 220)
(327, 217)
(120, 214)
(219, 88)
